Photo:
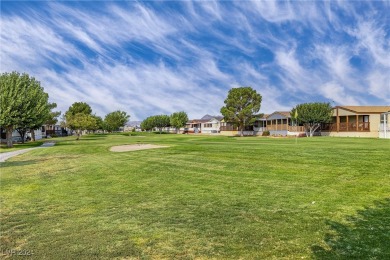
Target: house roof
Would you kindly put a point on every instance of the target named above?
(203, 120)
(283, 113)
(209, 117)
(366, 109)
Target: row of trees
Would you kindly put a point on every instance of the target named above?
(241, 109)
(79, 117)
(243, 104)
(25, 107)
(176, 120)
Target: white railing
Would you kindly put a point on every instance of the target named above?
(384, 130)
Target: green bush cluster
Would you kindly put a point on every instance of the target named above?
(266, 133)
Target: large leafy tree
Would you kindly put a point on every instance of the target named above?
(99, 124)
(147, 124)
(23, 103)
(53, 115)
(29, 125)
(115, 119)
(241, 106)
(161, 121)
(79, 117)
(178, 119)
(312, 115)
(79, 107)
(157, 121)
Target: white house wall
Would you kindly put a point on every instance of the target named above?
(213, 129)
(16, 135)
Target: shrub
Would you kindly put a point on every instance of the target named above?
(266, 133)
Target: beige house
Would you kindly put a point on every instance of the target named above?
(206, 125)
(355, 121)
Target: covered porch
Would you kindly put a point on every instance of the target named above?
(348, 123)
(282, 123)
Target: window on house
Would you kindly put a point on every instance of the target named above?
(366, 119)
(208, 125)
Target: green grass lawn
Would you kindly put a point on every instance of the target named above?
(203, 197)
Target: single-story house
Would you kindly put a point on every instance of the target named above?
(16, 136)
(206, 125)
(53, 130)
(357, 121)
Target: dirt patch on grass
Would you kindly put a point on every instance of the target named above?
(135, 147)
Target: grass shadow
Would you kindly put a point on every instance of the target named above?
(88, 139)
(365, 235)
(98, 135)
(19, 146)
(16, 164)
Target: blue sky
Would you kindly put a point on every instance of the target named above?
(158, 57)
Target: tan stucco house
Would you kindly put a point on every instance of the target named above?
(355, 121)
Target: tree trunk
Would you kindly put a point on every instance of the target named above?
(9, 136)
(307, 130)
(241, 131)
(22, 134)
(78, 134)
(32, 135)
(313, 128)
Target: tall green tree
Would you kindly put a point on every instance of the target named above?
(157, 121)
(114, 120)
(99, 124)
(80, 122)
(161, 121)
(79, 117)
(178, 120)
(312, 115)
(53, 115)
(241, 106)
(79, 107)
(148, 123)
(23, 103)
(50, 120)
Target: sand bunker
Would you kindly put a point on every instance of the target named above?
(135, 147)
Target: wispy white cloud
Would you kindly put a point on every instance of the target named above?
(147, 59)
